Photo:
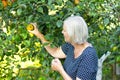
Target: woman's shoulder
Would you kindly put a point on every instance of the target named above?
(90, 51)
(66, 47)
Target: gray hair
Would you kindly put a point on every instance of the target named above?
(77, 29)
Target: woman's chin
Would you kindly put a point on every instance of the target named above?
(67, 41)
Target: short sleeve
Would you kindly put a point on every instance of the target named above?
(65, 47)
(88, 67)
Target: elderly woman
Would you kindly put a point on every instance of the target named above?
(80, 56)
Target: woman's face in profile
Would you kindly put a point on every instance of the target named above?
(65, 34)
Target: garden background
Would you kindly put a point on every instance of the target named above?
(23, 57)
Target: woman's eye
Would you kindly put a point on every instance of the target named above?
(64, 30)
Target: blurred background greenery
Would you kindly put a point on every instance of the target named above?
(23, 57)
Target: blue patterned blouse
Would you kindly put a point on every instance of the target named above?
(84, 66)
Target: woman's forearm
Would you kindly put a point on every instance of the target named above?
(50, 50)
(65, 75)
(41, 37)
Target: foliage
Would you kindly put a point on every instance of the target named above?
(17, 46)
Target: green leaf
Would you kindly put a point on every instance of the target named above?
(106, 21)
(40, 9)
(23, 35)
(59, 23)
(50, 2)
(19, 11)
(26, 43)
(29, 19)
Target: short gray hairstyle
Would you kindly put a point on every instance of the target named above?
(77, 29)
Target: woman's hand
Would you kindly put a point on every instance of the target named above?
(56, 65)
(35, 31)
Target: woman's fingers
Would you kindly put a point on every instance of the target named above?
(35, 30)
(56, 65)
(53, 64)
(34, 24)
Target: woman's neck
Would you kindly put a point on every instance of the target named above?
(85, 44)
(79, 48)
